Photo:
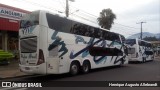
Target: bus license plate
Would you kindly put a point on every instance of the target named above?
(27, 68)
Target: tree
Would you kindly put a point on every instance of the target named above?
(106, 18)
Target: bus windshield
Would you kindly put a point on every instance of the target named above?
(130, 41)
(30, 20)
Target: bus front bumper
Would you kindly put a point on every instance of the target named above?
(135, 59)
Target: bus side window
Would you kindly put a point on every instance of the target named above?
(106, 35)
(123, 39)
(80, 32)
(78, 29)
(97, 33)
(91, 32)
(84, 30)
(58, 23)
(116, 38)
(87, 32)
(110, 36)
(75, 28)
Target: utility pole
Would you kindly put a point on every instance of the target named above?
(67, 7)
(141, 27)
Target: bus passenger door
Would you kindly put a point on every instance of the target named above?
(52, 65)
(53, 61)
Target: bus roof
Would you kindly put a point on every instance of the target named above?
(76, 21)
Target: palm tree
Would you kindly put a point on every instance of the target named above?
(106, 18)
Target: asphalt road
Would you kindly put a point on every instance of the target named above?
(149, 71)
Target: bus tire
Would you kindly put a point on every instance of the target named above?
(152, 58)
(143, 60)
(85, 67)
(74, 68)
(122, 62)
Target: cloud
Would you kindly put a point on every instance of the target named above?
(148, 11)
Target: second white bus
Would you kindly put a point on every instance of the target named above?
(140, 50)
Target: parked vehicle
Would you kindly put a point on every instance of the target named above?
(158, 50)
(140, 50)
(5, 57)
(52, 44)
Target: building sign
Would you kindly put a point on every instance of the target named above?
(10, 13)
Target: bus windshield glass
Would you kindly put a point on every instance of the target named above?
(130, 41)
(30, 20)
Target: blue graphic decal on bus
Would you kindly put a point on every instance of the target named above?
(72, 55)
(28, 30)
(58, 42)
(80, 39)
(85, 51)
(98, 60)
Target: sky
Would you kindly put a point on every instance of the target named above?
(128, 12)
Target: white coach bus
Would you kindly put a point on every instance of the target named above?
(52, 44)
(140, 50)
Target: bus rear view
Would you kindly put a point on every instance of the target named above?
(31, 56)
(140, 50)
(53, 44)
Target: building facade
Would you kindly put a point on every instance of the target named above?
(9, 26)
